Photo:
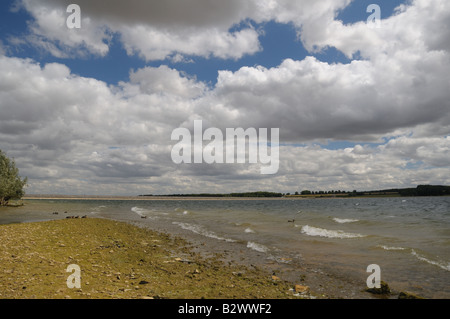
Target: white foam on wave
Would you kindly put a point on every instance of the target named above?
(139, 211)
(257, 247)
(345, 220)
(391, 248)
(97, 209)
(249, 230)
(200, 230)
(441, 265)
(431, 262)
(321, 232)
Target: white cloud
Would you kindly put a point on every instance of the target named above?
(83, 136)
(49, 32)
(362, 100)
(156, 30)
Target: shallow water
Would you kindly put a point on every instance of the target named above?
(409, 238)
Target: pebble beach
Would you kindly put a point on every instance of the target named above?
(123, 261)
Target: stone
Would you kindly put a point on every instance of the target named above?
(301, 288)
(275, 278)
(383, 290)
(408, 295)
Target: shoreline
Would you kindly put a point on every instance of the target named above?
(124, 261)
(324, 279)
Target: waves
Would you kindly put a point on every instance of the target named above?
(200, 230)
(391, 248)
(445, 266)
(322, 232)
(258, 247)
(441, 264)
(265, 231)
(148, 214)
(345, 220)
(140, 211)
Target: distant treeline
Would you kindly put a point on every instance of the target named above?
(421, 190)
(248, 194)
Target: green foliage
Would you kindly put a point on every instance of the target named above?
(11, 184)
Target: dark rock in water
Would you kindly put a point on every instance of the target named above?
(408, 295)
(143, 282)
(383, 290)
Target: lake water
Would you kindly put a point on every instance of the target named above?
(409, 238)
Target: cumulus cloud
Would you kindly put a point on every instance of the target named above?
(362, 100)
(156, 30)
(62, 122)
(82, 135)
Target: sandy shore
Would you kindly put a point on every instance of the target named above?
(119, 260)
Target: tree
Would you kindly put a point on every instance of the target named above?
(11, 184)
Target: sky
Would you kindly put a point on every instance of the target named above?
(91, 110)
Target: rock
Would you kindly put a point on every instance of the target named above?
(275, 278)
(408, 295)
(383, 290)
(143, 282)
(301, 289)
